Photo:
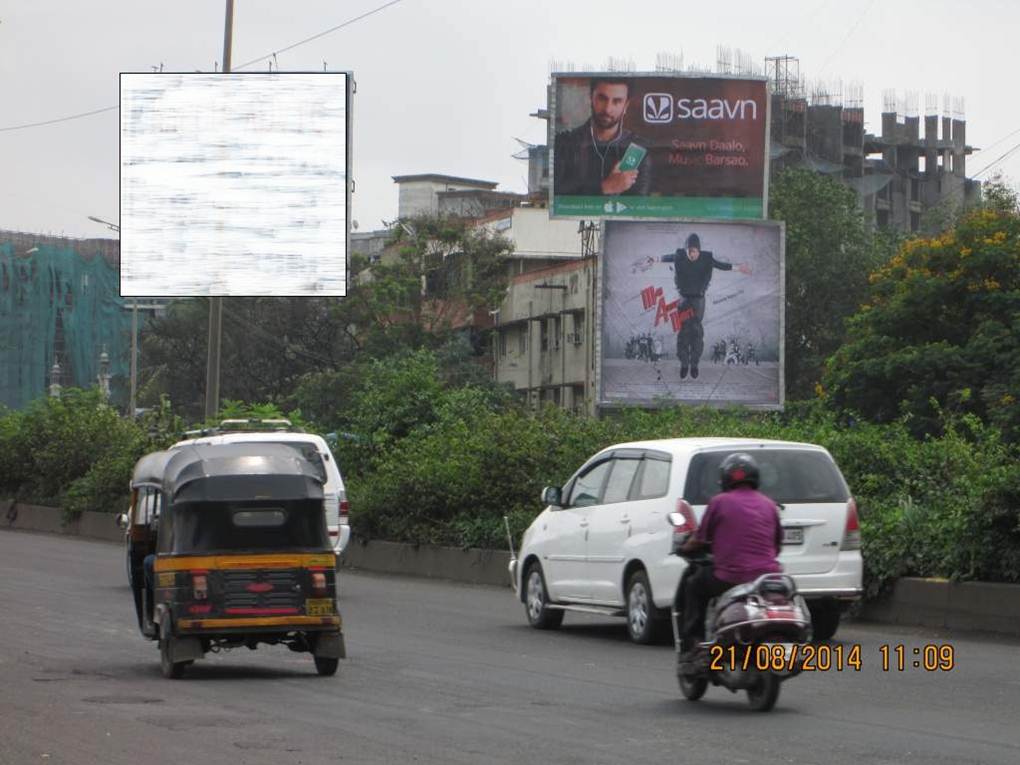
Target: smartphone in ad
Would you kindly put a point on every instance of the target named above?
(632, 158)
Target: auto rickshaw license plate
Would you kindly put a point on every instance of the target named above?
(793, 536)
(319, 607)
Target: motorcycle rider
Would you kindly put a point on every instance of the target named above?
(742, 525)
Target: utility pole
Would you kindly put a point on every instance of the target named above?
(212, 378)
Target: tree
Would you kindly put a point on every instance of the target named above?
(442, 275)
(829, 254)
(268, 345)
(941, 330)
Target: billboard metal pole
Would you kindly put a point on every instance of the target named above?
(212, 377)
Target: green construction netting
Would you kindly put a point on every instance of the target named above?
(62, 286)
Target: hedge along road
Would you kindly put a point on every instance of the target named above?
(446, 673)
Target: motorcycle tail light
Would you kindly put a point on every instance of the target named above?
(852, 533)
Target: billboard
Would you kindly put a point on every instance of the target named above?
(662, 146)
(234, 184)
(691, 312)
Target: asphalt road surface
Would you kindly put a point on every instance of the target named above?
(447, 673)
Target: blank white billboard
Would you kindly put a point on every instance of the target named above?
(234, 184)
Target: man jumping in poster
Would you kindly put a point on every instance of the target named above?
(692, 272)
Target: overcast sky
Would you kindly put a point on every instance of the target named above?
(446, 85)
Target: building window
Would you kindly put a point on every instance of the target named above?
(502, 343)
(915, 221)
(579, 327)
(574, 281)
(543, 327)
(522, 340)
(556, 336)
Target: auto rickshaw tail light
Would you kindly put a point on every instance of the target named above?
(319, 582)
(200, 585)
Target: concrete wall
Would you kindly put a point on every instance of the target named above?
(17, 515)
(933, 603)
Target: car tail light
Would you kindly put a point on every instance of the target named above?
(345, 509)
(319, 582)
(200, 585)
(852, 534)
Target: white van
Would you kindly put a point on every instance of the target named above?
(603, 543)
(314, 448)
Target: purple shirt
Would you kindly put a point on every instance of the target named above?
(746, 535)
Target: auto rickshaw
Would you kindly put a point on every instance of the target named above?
(242, 557)
(140, 523)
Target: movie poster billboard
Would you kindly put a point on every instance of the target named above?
(660, 146)
(691, 312)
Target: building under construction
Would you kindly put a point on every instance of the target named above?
(62, 320)
(899, 175)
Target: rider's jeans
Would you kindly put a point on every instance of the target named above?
(699, 589)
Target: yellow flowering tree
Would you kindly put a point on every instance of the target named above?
(941, 329)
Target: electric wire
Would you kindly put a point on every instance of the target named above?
(241, 66)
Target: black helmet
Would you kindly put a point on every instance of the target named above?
(693, 241)
(737, 469)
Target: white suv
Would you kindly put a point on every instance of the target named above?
(315, 449)
(603, 543)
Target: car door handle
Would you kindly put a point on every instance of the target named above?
(583, 524)
(625, 519)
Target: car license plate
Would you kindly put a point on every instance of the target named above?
(319, 607)
(793, 536)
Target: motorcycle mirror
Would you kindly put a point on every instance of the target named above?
(121, 520)
(676, 519)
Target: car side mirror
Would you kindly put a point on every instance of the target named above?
(552, 495)
(122, 521)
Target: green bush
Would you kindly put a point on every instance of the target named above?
(944, 507)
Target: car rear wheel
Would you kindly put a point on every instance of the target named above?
(825, 617)
(536, 601)
(693, 687)
(642, 617)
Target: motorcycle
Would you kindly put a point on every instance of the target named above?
(754, 632)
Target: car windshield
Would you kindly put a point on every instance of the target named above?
(789, 476)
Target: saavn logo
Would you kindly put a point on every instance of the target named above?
(658, 107)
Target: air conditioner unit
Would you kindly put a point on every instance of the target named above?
(575, 338)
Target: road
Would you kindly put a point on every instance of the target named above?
(446, 673)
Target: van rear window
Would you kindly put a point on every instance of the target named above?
(789, 476)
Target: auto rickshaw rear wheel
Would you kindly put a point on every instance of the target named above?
(170, 669)
(326, 666)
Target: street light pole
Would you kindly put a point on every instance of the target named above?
(212, 378)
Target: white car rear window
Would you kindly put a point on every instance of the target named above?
(789, 476)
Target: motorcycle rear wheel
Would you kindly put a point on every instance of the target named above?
(762, 697)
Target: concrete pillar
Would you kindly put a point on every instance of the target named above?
(931, 137)
(959, 148)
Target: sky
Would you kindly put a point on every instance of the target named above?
(445, 86)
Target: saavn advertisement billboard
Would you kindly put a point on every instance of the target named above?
(658, 146)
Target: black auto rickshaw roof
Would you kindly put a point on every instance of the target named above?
(150, 468)
(241, 472)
